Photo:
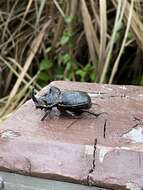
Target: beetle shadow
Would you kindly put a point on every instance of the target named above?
(80, 115)
(54, 113)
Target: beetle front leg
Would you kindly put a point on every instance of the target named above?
(45, 115)
(47, 108)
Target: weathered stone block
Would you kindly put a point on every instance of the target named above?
(106, 151)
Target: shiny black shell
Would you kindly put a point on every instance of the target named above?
(74, 100)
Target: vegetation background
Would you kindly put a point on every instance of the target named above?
(80, 40)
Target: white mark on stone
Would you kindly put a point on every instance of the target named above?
(103, 151)
(126, 148)
(96, 94)
(134, 147)
(123, 87)
(135, 134)
(89, 149)
(133, 186)
(107, 88)
(9, 134)
(93, 94)
(60, 163)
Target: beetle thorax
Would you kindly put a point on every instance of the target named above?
(53, 96)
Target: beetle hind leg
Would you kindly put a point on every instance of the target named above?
(94, 114)
(79, 112)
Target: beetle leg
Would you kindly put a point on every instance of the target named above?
(68, 113)
(45, 115)
(95, 114)
(42, 107)
(47, 108)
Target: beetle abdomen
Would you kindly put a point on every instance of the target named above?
(76, 99)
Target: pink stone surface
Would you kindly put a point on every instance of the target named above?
(63, 147)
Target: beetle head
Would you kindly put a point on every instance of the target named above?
(41, 101)
(50, 98)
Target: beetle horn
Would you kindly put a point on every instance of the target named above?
(34, 97)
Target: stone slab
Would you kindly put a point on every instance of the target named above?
(11, 181)
(106, 151)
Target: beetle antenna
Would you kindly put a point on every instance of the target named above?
(33, 97)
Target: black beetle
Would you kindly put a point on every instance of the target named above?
(75, 102)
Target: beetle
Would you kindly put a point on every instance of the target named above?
(75, 102)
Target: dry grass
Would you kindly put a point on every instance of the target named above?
(101, 32)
